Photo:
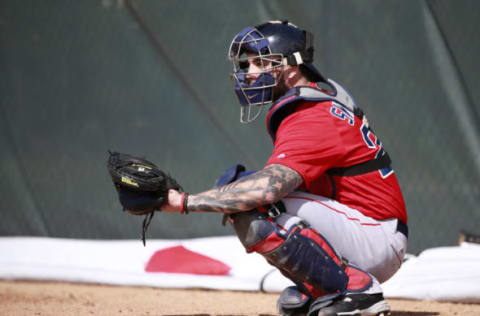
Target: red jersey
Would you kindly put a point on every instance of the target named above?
(319, 136)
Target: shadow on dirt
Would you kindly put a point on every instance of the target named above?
(403, 313)
(216, 315)
(393, 313)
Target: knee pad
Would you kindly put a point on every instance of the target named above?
(256, 231)
(302, 255)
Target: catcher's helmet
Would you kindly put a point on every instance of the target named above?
(273, 44)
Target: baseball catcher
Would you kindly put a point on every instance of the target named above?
(142, 187)
(326, 209)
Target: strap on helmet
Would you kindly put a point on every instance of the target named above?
(300, 57)
(305, 56)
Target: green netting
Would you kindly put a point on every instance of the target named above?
(152, 78)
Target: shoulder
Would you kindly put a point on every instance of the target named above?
(310, 112)
(311, 123)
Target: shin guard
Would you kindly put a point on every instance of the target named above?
(301, 254)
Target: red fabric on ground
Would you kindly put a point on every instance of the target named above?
(178, 259)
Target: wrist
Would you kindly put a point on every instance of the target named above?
(183, 203)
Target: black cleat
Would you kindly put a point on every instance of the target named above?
(357, 304)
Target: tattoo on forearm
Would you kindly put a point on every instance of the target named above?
(265, 186)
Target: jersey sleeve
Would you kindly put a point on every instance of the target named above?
(307, 141)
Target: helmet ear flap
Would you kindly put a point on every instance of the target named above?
(294, 44)
(309, 50)
(302, 56)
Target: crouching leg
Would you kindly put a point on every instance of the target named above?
(301, 254)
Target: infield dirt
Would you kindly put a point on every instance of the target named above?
(21, 298)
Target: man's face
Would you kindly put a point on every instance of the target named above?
(254, 65)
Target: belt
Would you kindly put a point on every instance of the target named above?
(402, 227)
(276, 209)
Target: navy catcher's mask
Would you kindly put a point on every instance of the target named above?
(270, 47)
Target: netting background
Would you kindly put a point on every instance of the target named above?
(151, 78)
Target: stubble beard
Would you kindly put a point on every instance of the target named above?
(280, 89)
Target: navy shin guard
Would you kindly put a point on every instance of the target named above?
(302, 254)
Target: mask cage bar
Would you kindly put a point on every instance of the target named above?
(253, 41)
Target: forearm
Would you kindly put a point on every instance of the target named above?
(263, 187)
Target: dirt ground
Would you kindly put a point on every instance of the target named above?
(21, 298)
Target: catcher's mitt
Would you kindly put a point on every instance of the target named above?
(142, 187)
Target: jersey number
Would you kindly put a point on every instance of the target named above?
(370, 139)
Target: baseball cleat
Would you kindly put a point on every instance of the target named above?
(357, 304)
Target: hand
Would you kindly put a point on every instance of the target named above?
(173, 203)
